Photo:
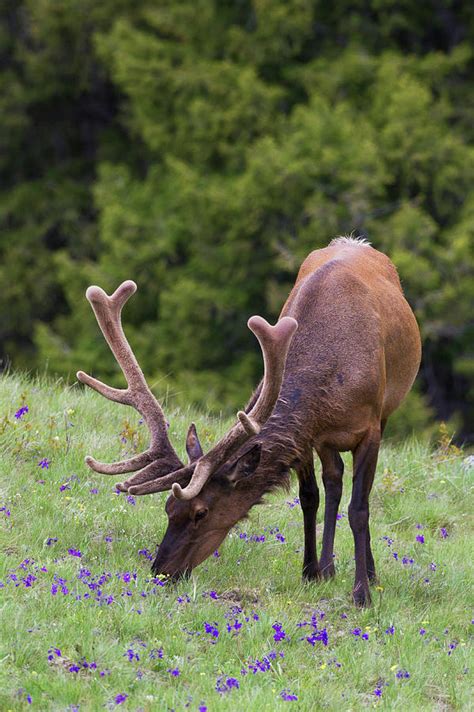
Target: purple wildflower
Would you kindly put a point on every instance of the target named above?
(224, 685)
(420, 538)
(156, 653)
(145, 553)
(131, 500)
(21, 412)
(94, 490)
(288, 696)
(378, 692)
(422, 631)
(74, 552)
(211, 629)
(53, 652)
(279, 634)
(403, 674)
(131, 655)
(44, 463)
(444, 533)
(175, 672)
(318, 636)
(390, 630)
(118, 699)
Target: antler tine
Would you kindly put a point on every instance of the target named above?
(107, 310)
(274, 342)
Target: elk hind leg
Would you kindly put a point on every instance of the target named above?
(365, 463)
(333, 468)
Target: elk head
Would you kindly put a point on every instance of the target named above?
(216, 489)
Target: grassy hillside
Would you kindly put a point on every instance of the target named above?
(84, 626)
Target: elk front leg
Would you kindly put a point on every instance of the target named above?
(365, 463)
(333, 468)
(309, 500)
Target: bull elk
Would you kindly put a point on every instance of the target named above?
(340, 360)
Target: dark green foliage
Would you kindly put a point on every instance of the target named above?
(203, 149)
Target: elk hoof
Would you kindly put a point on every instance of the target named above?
(328, 571)
(311, 573)
(361, 596)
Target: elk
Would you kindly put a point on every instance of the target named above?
(340, 360)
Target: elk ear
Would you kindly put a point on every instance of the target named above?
(193, 446)
(246, 465)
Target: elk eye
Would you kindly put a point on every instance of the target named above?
(200, 514)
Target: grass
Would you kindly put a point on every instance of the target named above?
(104, 608)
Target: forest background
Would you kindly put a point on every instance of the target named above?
(203, 148)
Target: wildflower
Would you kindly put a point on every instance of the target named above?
(236, 625)
(422, 631)
(44, 463)
(74, 552)
(94, 490)
(378, 692)
(279, 634)
(53, 652)
(318, 636)
(202, 708)
(131, 500)
(120, 698)
(145, 553)
(156, 653)
(444, 533)
(452, 647)
(288, 696)
(21, 412)
(403, 674)
(211, 629)
(356, 632)
(216, 554)
(64, 487)
(131, 655)
(420, 538)
(226, 685)
(175, 672)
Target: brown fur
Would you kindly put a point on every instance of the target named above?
(351, 362)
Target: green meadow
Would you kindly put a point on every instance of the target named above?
(85, 626)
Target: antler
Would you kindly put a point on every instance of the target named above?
(137, 394)
(274, 342)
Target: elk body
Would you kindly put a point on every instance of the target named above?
(340, 360)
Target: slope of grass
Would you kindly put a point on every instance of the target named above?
(84, 626)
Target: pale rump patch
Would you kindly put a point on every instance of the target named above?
(347, 240)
